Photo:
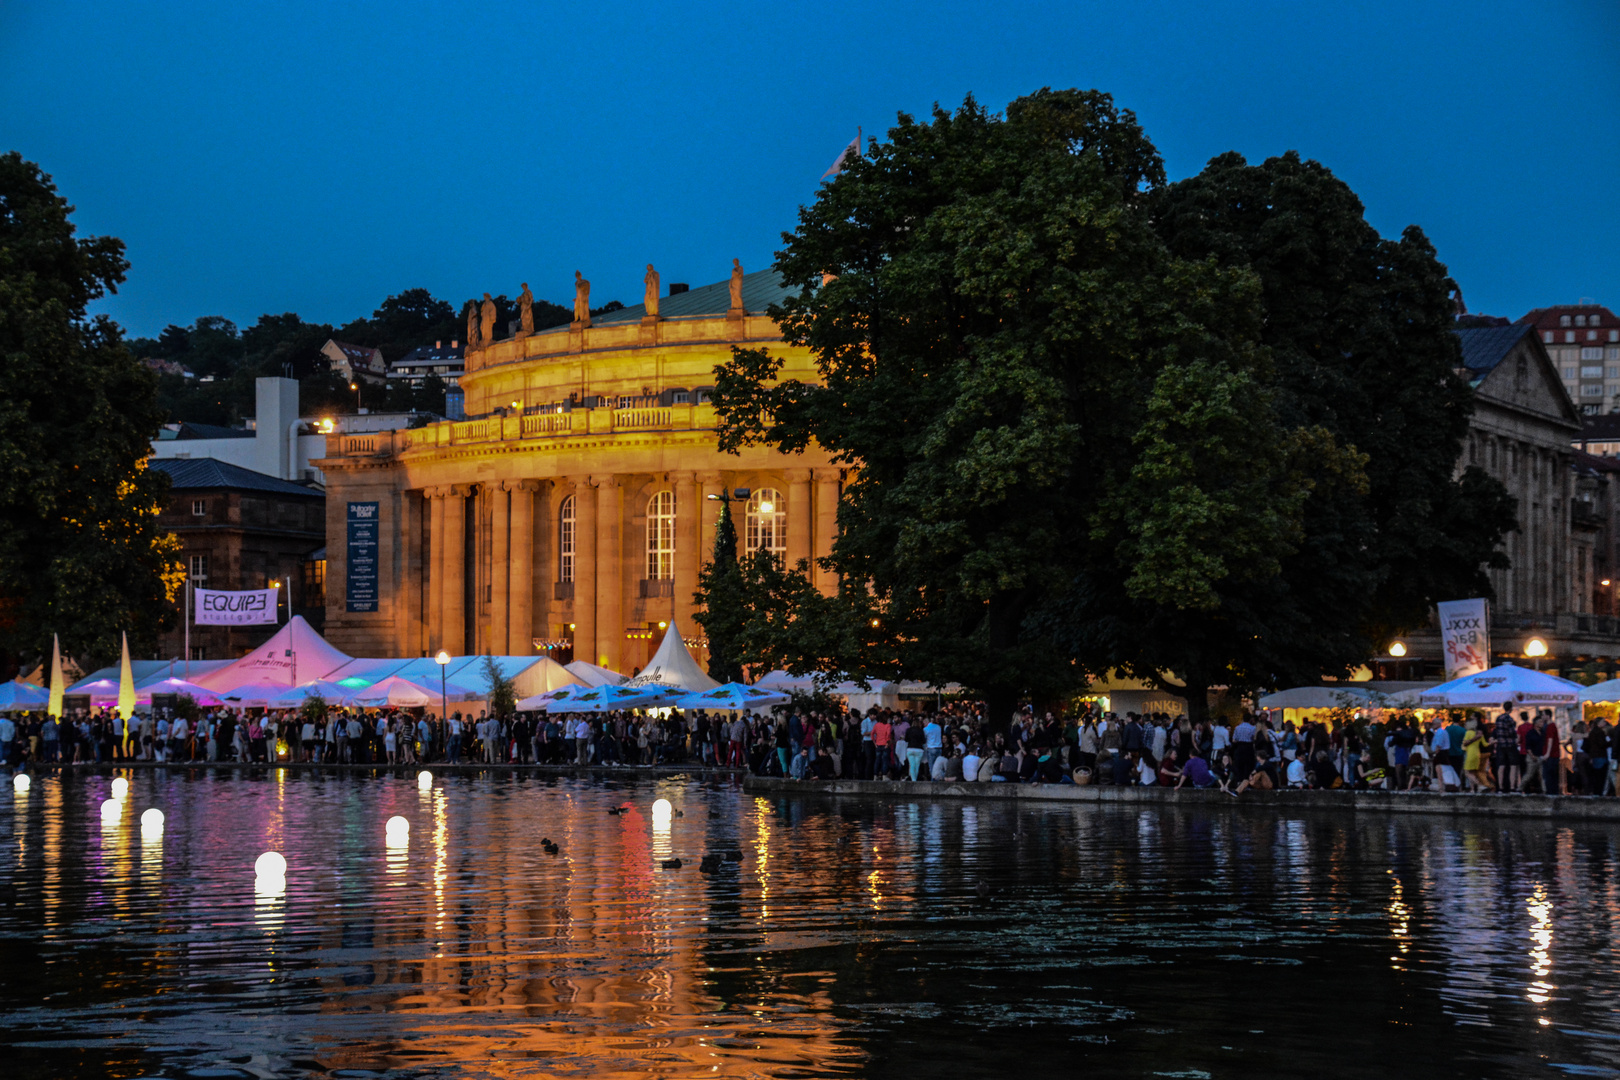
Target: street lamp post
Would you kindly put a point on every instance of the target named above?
(1535, 648)
(358, 404)
(444, 698)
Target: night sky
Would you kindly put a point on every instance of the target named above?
(317, 157)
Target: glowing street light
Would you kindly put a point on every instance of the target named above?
(1535, 648)
(444, 698)
(1397, 648)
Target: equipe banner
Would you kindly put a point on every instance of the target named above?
(249, 607)
(1465, 634)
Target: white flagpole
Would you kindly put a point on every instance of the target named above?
(186, 616)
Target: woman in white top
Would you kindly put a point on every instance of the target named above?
(390, 743)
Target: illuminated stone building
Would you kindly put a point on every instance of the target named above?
(570, 511)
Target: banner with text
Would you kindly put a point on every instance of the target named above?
(216, 607)
(1465, 634)
(361, 571)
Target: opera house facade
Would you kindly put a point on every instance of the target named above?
(571, 511)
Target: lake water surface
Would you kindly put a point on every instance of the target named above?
(854, 938)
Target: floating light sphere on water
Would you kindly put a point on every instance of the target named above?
(270, 865)
(152, 819)
(111, 808)
(21, 782)
(120, 787)
(662, 809)
(398, 826)
(424, 780)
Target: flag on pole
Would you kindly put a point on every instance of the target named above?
(854, 147)
(54, 706)
(126, 687)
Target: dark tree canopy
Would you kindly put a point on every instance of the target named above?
(80, 551)
(1082, 440)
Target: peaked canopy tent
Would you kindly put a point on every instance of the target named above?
(18, 696)
(399, 693)
(206, 698)
(294, 654)
(1504, 683)
(591, 675)
(672, 666)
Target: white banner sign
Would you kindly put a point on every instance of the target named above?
(252, 606)
(1465, 634)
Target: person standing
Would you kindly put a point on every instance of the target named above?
(882, 746)
(1505, 749)
(1243, 759)
(1552, 754)
(933, 741)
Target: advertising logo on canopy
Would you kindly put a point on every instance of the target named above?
(1465, 634)
(216, 607)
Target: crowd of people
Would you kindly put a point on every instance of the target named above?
(1522, 751)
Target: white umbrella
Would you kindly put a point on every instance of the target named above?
(1603, 691)
(540, 702)
(295, 696)
(1316, 697)
(1505, 682)
(255, 695)
(733, 696)
(608, 698)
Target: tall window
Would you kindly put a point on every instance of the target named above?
(661, 536)
(565, 540)
(765, 524)
(197, 570)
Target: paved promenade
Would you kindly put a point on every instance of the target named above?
(1556, 807)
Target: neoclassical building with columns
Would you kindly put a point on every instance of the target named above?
(571, 512)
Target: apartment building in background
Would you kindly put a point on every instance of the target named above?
(1584, 343)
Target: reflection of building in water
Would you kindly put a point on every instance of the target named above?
(594, 954)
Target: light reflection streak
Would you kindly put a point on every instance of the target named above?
(762, 856)
(1539, 990)
(1400, 916)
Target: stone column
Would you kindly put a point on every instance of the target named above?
(827, 487)
(687, 512)
(499, 561)
(610, 577)
(520, 582)
(434, 568)
(584, 571)
(798, 517)
(453, 604)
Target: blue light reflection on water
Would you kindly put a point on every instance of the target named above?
(855, 937)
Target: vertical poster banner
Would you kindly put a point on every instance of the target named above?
(1465, 634)
(361, 575)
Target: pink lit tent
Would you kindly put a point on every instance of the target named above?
(271, 664)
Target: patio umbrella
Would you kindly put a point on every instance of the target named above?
(16, 696)
(1315, 697)
(1603, 691)
(1505, 682)
(539, 702)
(608, 698)
(733, 696)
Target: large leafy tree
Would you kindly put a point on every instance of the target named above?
(80, 549)
(1031, 388)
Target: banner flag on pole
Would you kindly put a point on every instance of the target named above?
(216, 607)
(1465, 636)
(854, 147)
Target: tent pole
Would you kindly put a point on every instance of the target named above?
(185, 616)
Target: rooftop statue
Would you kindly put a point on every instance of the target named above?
(488, 321)
(651, 298)
(582, 300)
(526, 311)
(736, 287)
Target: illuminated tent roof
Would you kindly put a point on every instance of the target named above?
(269, 663)
(672, 666)
(591, 675)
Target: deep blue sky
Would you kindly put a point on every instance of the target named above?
(314, 157)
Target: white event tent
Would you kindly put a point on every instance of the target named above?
(672, 668)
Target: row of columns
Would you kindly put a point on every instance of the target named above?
(600, 551)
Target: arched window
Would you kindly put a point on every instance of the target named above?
(565, 540)
(661, 536)
(765, 524)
